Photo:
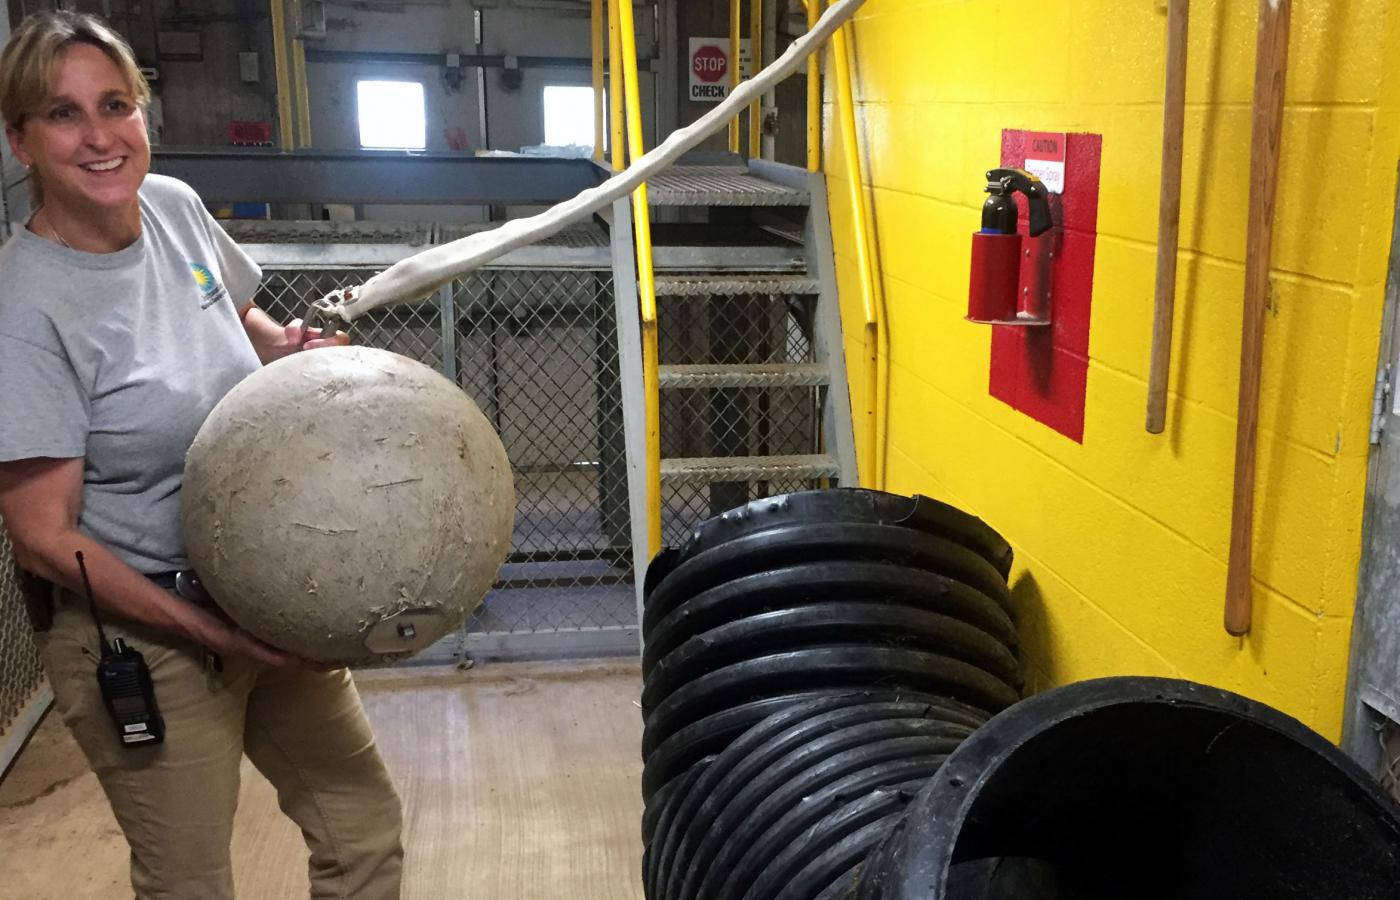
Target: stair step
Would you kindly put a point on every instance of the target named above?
(749, 468)
(719, 375)
(720, 186)
(732, 285)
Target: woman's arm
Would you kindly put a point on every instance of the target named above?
(40, 500)
(272, 341)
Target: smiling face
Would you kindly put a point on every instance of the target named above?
(87, 141)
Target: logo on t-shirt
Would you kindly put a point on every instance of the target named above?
(209, 288)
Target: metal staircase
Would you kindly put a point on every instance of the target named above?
(751, 376)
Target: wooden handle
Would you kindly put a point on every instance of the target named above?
(1168, 215)
(1271, 66)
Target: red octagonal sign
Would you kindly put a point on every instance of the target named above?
(710, 63)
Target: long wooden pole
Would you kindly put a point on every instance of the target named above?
(1271, 67)
(1168, 215)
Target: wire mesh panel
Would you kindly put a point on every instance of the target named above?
(21, 674)
(537, 350)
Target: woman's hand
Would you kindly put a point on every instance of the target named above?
(272, 341)
(229, 640)
(310, 338)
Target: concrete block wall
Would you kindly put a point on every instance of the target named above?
(1122, 540)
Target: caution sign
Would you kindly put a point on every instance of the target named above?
(709, 68)
(1045, 159)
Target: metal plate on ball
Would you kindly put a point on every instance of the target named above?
(405, 632)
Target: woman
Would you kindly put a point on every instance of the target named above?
(124, 317)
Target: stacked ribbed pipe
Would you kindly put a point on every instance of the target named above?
(809, 662)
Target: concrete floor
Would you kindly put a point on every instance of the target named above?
(520, 782)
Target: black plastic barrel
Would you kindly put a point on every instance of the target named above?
(1146, 788)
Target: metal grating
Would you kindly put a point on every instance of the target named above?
(734, 285)
(585, 235)
(719, 186)
(21, 673)
(537, 350)
(742, 375)
(257, 231)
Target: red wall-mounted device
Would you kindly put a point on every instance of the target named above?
(997, 292)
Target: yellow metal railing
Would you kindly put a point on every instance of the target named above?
(867, 263)
(736, 20)
(285, 135)
(616, 92)
(756, 52)
(303, 97)
(814, 95)
(646, 277)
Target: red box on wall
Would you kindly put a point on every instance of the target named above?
(1043, 372)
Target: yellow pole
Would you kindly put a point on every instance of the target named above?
(284, 90)
(599, 47)
(303, 93)
(868, 260)
(646, 281)
(616, 91)
(756, 48)
(814, 94)
(735, 29)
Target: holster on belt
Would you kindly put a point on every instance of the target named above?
(37, 594)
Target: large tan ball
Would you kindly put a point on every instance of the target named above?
(348, 505)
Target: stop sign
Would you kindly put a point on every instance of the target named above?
(710, 63)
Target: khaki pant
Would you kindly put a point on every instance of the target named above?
(305, 731)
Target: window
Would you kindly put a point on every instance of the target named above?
(568, 115)
(391, 115)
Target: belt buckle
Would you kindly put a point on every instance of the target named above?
(188, 586)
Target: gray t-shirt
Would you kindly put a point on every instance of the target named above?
(119, 357)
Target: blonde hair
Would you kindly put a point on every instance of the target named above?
(26, 65)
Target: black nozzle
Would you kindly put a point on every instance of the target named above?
(1001, 184)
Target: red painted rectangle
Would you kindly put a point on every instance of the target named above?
(1043, 372)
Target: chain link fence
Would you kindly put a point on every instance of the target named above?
(22, 684)
(769, 420)
(536, 349)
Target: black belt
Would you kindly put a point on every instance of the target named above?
(38, 593)
(185, 583)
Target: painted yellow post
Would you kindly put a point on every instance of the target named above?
(735, 32)
(278, 12)
(616, 92)
(756, 49)
(303, 93)
(868, 262)
(646, 281)
(599, 117)
(814, 94)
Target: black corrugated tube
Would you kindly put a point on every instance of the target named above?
(810, 661)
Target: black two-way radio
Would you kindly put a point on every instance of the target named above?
(125, 682)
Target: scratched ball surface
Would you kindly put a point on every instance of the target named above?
(348, 505)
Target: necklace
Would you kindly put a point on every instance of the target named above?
(54, 231)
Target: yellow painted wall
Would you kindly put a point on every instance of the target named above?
(1121, 542)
